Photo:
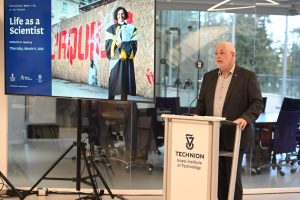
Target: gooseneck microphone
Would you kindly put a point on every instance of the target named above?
(190, 106)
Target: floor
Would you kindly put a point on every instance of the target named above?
(289, 196)
(28, 163)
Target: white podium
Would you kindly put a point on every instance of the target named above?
(191, 156)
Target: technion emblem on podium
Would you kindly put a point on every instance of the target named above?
(189, 159)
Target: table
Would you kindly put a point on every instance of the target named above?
(267, 117)
(264, 127)
(261, 153)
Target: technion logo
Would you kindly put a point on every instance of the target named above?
(189, 141)
(12, 78)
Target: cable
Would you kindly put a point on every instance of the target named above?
(69, 193)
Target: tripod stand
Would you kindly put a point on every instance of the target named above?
(81, 151)
(17, 193)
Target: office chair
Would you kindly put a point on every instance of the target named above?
(285, 132)
(115, 123)
(262, 148)
(264, 104)
(280, 138)
(145, 139)
(146, 118)
(163, 105)
(120, 122)
(291, 104)
(91, 126)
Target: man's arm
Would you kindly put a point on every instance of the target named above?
(255, 100)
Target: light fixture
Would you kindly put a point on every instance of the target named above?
(217, 6)
(268, 2)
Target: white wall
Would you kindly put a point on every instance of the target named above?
(3, 99)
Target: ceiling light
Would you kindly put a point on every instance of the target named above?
(216, 7)
(271, 2)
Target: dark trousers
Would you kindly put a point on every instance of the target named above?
(224, 178)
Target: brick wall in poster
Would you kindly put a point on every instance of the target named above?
(78, 40)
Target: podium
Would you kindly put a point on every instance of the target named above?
(191, 156)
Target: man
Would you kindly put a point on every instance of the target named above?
(231, 92)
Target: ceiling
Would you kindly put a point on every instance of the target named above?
(285, 7)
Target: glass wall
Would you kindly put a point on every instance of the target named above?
(184, 37)
(46, 133)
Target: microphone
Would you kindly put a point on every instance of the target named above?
(190, 106)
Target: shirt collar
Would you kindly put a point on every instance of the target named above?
(122, 23)
(230, 72)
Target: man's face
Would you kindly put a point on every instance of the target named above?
(224, 58)
(121, 15)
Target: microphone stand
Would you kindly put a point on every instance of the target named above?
(190, 106)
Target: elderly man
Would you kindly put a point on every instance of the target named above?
(231, 92)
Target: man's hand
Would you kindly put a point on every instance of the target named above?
(118, 43)
(241, 122)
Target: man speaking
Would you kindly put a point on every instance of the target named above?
(234, 93)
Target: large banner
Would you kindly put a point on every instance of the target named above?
(28, 47)
(61, 51)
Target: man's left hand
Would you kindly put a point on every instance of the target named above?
(241, 122)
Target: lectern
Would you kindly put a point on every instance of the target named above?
(191, 157)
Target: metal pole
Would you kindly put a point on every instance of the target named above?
(284, 61)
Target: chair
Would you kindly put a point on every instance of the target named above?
(290, 104)
(145, 139)
(120, 123)
(146, 118)
(163, 105)
(92, 127)
(90, 120)
(284, 141)
(264, 104)
(262, 148)
(168, 104)
(115, 119)
(279, 138)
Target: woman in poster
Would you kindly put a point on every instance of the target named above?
(121, 47)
